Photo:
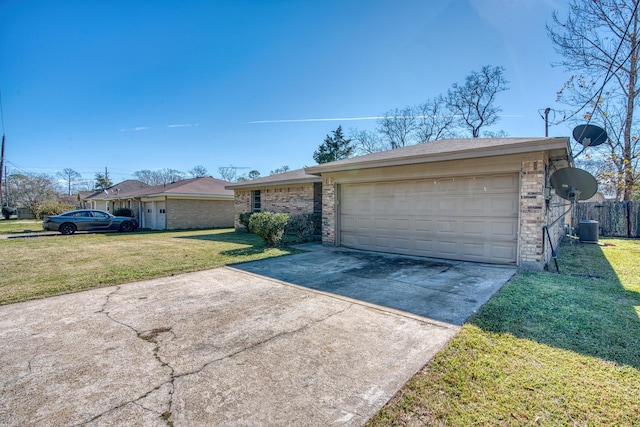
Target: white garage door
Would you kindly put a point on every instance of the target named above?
(466, 218)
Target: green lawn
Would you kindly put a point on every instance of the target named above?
(548, 349)
(44, 266)
(18, 226)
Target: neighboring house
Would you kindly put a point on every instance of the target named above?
(191, 203)
(477, 200)
(293, 192)
(110, 198)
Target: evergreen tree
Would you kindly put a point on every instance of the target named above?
(333, 148)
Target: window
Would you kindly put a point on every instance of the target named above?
(162, 211)
(255, 201)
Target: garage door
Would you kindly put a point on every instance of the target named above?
(466, 218)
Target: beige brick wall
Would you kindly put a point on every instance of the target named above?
(186, 213)
(292, 199)
(535, 213)
(532, 210)
(329, 211)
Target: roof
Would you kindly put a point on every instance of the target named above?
(194, 187)
(448, 149)
(203, 186)
(116, 191)
(298, 176)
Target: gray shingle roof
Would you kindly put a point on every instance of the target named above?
(297, 176)
(204, 186)
(447, 149)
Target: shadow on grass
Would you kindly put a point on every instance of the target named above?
(254, 244)
(584, 309)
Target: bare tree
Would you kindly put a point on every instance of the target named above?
(167, 176)
(473, 102)
(198, 171)
(434, 120)
(159, 177)
(397, 127)
(228, 173)
(281, 169)
(366, 141)
(71, 178)
(599, 40)
(147, 176)
(254, 174)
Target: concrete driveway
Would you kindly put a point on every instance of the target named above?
(449, 291)
(217, 347)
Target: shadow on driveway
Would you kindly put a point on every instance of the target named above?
(448, 291)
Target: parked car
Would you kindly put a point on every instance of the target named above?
(88, 220)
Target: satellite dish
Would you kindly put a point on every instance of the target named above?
(574, 184)
(590, 135)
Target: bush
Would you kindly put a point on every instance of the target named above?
(123, 212)
(269, 226)
(52, 207)
(244, 218)
(304, 226)
(7, 211)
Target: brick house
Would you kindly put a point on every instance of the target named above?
(483, 200)
(109, 199)
(293, 192)
(191, 203)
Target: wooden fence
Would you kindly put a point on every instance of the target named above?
(616, 219)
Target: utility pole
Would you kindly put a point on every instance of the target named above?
(1, 169)
(106, 177)
(546, 122)
(2, 154)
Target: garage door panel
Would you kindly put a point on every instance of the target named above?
(464, 218)
(504, 229)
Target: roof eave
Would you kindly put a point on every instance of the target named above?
(502, 150)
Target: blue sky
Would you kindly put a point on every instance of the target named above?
(133, 85)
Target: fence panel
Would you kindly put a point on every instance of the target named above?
(617, 219)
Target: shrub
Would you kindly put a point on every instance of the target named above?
(304, 226)
(7, 211)
(123, 212)
(269, 226)
(53, 207)
(244, 218)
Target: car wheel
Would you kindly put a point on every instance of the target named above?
(126, 227)
(67, 228)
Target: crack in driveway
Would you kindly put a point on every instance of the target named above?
(152, 336)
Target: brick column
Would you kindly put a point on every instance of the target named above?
(329, 214)
(532, 211)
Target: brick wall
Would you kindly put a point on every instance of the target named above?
(532, 207)
(329, 220)
(185, 213)
(291, 199)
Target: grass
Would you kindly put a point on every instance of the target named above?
(19, 226)
(548, 349)
(46, 266)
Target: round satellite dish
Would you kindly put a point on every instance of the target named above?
(590, 135)
(574, 184)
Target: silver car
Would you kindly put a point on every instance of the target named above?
(88, 220)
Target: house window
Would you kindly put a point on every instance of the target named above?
(162, 211)
(255, 201)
